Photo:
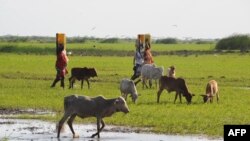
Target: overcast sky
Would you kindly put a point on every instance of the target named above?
(126, 18)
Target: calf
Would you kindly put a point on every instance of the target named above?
(84, 106)
(174, 84)
(81, 74)
(211, 91)
(128, 87)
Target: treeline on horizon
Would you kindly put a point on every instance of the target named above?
(78, 39)
(234, 42)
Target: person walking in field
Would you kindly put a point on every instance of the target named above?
(148, 58)
(137, 63)
(61, 66)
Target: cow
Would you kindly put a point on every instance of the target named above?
(150, 71)
(174, 84)
(211, 91)
(84, 106)
(81, 74)
(127, 86)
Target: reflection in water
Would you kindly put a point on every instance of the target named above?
(36, 130)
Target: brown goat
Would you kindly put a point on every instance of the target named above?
(211, 91)
(84, 106)
(172, 84)
(81, 74)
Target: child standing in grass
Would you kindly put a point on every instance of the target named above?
(171, 72)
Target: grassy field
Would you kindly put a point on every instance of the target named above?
(100, 49)
(25, 81)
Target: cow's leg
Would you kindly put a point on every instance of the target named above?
(217, 96)
(103, 125)
(137, 81)
(88, 83)
(70, 86)
(70, 121)
(81, 83)
(60, 124)
(144, 82)
(176, 95)
(73, 82)
(159, 94)
(150, 83)
(125, 96)
(98, 128)
(180, 97)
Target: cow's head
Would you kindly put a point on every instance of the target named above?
(134, 98)
(92, 72)
(205, 98)
(188, 97)
(121, 105)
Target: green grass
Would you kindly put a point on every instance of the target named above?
(100, 49)
(25, 83)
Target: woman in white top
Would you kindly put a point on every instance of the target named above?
(138, 60)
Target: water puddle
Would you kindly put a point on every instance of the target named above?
(37, 130)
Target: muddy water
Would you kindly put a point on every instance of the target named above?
(36, 130)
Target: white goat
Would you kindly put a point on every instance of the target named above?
(127, 86)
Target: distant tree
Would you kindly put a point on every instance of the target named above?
(167, 41)
(235, 42)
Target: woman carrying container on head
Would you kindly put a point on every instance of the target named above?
(61, 64)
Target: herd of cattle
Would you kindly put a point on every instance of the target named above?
(100, 107)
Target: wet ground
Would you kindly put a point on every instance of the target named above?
(37, 130)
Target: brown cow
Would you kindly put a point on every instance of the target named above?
(81, 74)
(174, 84)
(84, 106)
(211, 91)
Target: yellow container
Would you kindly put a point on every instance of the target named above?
(148, 38)
(141, 38)
(61, 40)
